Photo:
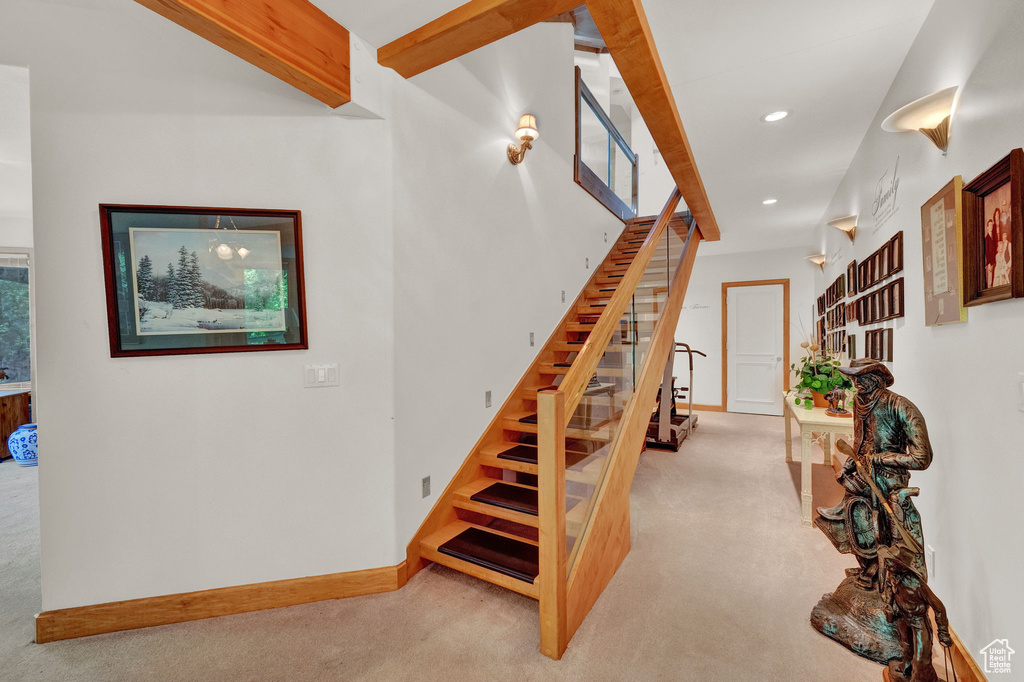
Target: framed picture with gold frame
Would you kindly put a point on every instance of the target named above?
(993, 240)
(941, 236)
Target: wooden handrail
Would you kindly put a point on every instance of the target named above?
(585, 364)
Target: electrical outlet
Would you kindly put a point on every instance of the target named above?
(426, 486)
(929, 561)
(563, 295)
(588, 263)
(605, 237)
(487, 398)
(531, 340)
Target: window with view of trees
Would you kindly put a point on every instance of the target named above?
(15, 348)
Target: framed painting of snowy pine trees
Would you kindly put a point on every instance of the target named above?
(182, 279)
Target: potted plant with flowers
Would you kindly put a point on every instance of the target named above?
(817, 375)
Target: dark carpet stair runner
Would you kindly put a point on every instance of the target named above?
(496, 552)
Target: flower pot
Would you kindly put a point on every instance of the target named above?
(23, 446)
(819, 399)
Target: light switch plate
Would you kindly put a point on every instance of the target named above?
(321, 376)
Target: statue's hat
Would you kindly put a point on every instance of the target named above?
(863, 366)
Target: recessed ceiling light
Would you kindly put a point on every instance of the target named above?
(775, 116)
(769, 202)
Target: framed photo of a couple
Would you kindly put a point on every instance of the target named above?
(184, 279)
(994, 233)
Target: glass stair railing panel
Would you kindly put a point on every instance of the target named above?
(593, 425)
(623, 355)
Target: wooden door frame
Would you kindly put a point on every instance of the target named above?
(725, 331)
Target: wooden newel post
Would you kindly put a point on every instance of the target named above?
(551, 511)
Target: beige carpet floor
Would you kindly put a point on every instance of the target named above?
(718, 587)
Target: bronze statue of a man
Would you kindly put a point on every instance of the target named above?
(890, 440)
(874, 613)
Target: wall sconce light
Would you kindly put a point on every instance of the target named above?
(526, 134)
(818, 260)
(847, 225)
(929, 115)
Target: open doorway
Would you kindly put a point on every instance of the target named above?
(755, 346)
(19, 497)
(16, 290)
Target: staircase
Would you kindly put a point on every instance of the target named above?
(517, 511)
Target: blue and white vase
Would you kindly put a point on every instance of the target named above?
(23, 445)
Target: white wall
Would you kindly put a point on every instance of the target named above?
(962, 376)
(15, 158)
(700, 323)
(170, 474)
(656, 182)
(483, 248)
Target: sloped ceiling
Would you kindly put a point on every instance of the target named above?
(729, 63)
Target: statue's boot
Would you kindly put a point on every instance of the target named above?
(832, 513)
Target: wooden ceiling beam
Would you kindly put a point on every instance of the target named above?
(464, 29)
(290, 39)
(623, 24)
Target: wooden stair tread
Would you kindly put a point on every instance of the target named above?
(507, 495)
(561, 368)
(587, 474)
(430, 549)
(615, 400)
(577, 421)
(495, 552)
(527, 454)
(464, 498)
(570, 347)
(489, 459)
(602, 435)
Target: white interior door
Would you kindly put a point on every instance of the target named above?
(754, 349)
